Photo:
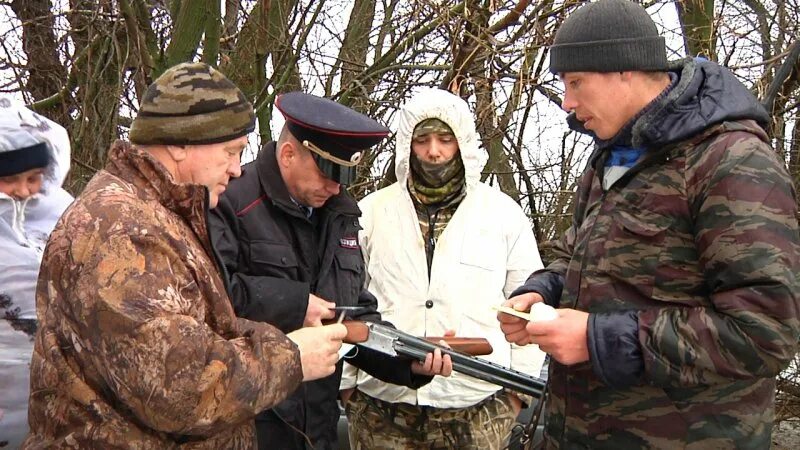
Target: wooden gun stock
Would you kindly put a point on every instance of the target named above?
(470, 346)
(358, 331)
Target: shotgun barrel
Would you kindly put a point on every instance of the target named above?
(395, 342)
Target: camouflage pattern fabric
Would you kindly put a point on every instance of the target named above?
(138, 345)
(433, 221)
(429, 126)
(192, 103)
(434, 200)
(378, 425)
(436, 185)
(436, 218)
(703, 243)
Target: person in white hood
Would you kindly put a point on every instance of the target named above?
(441, 248)
(34, 161)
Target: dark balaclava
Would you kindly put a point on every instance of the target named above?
(436, 184)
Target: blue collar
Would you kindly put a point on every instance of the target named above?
(622, 156)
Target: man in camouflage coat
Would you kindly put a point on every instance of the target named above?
(138, 346)
(677, 282)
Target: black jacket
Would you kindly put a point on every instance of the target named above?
(275, 257)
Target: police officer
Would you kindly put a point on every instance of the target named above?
(288, 234)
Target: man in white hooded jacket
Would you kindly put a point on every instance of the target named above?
(34, 161)
(441, 248)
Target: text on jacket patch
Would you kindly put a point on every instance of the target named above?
(348, 242)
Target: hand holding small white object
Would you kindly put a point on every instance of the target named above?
(542, 311)
(561, 333)
(538, 312)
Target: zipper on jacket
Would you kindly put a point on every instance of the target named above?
(431, 239)
(567, 371)
(223, 271)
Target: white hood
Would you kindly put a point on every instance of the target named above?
(450, 109)
(24, 228)
(21, 127)
(485, 252)
(26, 224)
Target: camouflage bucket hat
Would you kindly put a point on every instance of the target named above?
(192, 103)
(429, 126)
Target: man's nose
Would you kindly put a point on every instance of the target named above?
(21, 190)
(333, 187)
(235, 168)
(568, 104)
(435, 149)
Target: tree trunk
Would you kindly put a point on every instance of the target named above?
(97, 98)
(46, 74)
(472, 62)
(264, 34)
(213, 32)
(353, 53)
(699, 31)
(189, 22)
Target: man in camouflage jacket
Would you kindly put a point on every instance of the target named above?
(138, 346)
(677, 282)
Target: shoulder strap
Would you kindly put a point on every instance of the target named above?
(528, 431)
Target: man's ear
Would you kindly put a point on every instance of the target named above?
(177, 152)
(286, 153)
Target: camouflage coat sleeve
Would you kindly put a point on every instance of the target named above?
(159, 357)
(746, 238)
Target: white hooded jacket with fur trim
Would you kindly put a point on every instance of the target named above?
(485, 252)
(24, 228)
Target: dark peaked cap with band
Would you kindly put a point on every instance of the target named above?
(335, 134)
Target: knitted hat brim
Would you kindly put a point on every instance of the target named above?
(644, 54)
(14, 162)
(207, 128)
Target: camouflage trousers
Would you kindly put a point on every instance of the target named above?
(378, 425)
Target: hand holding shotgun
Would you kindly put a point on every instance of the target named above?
(397, 343)
(430, 364)
(358, 333)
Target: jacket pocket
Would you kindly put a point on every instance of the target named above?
(349, 276)
(482, 249)
(643, 223)
(644, 413)
(632, 247)
(271, 259)
(668, 256)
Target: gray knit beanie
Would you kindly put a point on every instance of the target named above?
(608, 36)
(192, 103)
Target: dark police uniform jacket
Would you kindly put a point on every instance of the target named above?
(275, 256)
